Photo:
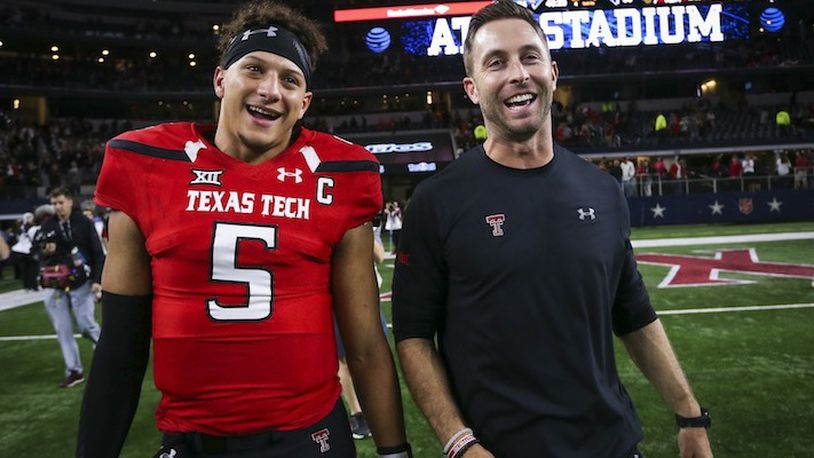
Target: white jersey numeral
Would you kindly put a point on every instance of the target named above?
(260, 281)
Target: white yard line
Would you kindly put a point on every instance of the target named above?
(19, 298)
(749, 308)
(43, 337)
(688, 241)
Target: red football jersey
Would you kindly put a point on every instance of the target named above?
(243, 336)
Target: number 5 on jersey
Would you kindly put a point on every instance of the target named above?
(259, 281)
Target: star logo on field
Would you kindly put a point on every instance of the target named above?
(658, 211)
(774, 205)
(716, 208)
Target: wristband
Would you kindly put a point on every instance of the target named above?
(400, 451)
(460, 447)
(704, 421)
(455, 437)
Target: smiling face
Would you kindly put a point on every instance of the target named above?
(513, 79)
(262, 97)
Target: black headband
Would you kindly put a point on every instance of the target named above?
(273, 39)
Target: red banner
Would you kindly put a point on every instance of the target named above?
(409, 11)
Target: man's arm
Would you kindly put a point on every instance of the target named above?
(5, 251)
(356, 301)
(120, 358)
(651, 351)
(98, 256)
(427, 379)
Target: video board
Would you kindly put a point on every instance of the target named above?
(439, 29)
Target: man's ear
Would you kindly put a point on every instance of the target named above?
(217, 81)
(471, 90)
(306, 102)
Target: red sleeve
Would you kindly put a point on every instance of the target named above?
(116, 187)
(367, 198)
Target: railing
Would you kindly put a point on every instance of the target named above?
(656, 185)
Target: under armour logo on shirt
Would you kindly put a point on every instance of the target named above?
(321, 438)
(496, 221)
(283, 174)
(586, 213)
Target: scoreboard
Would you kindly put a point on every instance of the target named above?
(439, 29)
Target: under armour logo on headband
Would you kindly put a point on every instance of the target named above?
(270, 32)
(274, 39)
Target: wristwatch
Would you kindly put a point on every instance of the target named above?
(704, 421)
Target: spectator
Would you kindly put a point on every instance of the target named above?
(802, 164)
(628, 176)
(71, 250)
(783, 169)
(22, 251)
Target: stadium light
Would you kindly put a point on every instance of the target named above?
(16, 104)
(191, 56)
(101, 60)
(192, 63)
(1, 43)
(429, 97)
(216, 28)
(54, 56)
(153, 54)
(105, 52)
(54, 48)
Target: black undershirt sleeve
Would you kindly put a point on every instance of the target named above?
(419, 279)
(632, 309)
(114, 385)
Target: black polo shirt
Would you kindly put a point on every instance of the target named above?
(524, 276)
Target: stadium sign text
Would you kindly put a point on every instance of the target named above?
(611, 28)
(385, 148)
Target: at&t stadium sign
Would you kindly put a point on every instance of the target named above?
(611, 28)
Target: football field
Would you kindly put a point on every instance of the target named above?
(740, 315)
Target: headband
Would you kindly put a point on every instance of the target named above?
(275, 40)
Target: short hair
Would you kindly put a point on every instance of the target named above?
(262, 13)
(61, 191)
(499, 9)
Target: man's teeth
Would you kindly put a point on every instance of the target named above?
(520, 98)
(261, 111)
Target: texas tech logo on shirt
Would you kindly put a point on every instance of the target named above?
(496, 221)
(321, 438)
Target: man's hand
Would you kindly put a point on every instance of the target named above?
(694, 443)
(96, 288)
(476, 451)
(50, 248)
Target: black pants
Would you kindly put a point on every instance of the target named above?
(327, 438)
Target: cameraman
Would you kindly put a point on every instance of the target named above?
(71, 258)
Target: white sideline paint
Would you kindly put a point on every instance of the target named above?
(749, 308)
(43, 337)
(663, 312)
(780, 236)
(19, 298)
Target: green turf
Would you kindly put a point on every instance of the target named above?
(753, 370)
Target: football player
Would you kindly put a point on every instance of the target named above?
(231, 246)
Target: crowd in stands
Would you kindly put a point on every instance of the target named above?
(646, 176)
(59, 153)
